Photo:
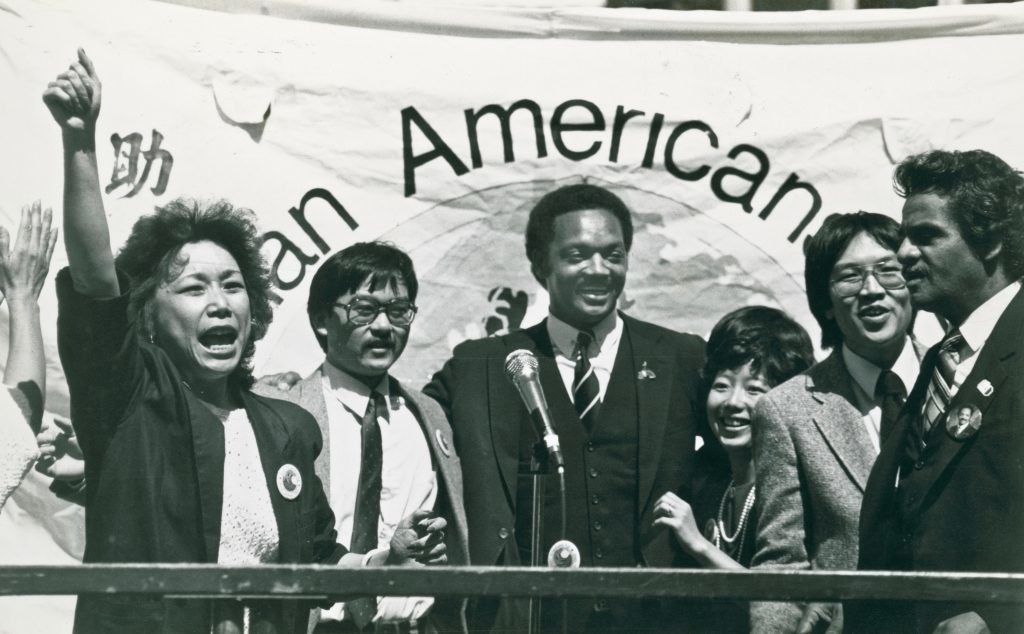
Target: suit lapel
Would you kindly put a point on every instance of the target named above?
(639, 346)
(439, 439)
(208, 449)
(993, 367)
(273, 440)
(839, 421)
(311, 398)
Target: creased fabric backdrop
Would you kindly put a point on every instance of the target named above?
(730, 135)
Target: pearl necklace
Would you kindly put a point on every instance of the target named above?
(720, 533)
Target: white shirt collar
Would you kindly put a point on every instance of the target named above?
(979, 325)
(866, 373)
(606, 333)
(350, 391)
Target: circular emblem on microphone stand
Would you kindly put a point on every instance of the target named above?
(564, 554)
(289, 481)
(963, 421)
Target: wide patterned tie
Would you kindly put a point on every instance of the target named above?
(941, 384)
(367, 510)
(586, 391)
(890, 394)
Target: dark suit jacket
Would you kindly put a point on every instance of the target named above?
(487, 415)
(154, 458)
(959, 505)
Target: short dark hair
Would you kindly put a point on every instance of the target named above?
(984, 195)
(823, 250)
(770, 340)
(540, 226)
(150, 255)
(345, 271)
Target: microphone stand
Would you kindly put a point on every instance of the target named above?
(539, 468)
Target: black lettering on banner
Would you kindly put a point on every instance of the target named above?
(504, 116)
(592, 120)
(412, 161)
(618, 123)
(652, 139)
(558, 128)
(288, 247)
(299, 215)
(126, 163)
(670, 146)
(793, 183)
(755, 179)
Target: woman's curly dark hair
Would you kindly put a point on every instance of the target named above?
(149, 256)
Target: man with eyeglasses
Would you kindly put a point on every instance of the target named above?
(388, 464)
(816, 436)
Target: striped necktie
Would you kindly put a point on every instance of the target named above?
(941, 385)
(586, 391)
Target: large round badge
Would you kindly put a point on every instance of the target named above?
(289, 481)
(963, 421)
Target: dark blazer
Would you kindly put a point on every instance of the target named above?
(487, 415)
(154, 457)
(958, 506)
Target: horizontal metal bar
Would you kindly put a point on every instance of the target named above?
(286, 581)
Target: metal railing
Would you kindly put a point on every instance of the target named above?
(293, 581)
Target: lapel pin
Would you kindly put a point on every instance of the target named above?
(963, 421)
(289, 482)
(442, 442)
(645, 373)
(985, 387)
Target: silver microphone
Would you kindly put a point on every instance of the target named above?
(521, 369)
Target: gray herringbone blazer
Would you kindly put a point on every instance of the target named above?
(813, 457)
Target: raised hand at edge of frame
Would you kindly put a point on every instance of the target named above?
(25, 264)
(74, 97)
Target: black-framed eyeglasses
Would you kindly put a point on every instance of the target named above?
(400, 312)
(850, 281)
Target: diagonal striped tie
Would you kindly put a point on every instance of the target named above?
(941, 385)
(586, 391)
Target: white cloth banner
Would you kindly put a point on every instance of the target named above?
(731, 136)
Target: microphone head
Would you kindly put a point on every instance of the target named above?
(520, 363)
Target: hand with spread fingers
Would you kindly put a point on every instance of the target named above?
(25, 264)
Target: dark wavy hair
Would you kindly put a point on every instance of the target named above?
(150, 256)
(541, 224)
(985, 196)
(767, 338)
(345, 271)
(823, 250)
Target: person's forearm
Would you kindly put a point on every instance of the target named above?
(86, 236)
(26, 363)
(711, 557)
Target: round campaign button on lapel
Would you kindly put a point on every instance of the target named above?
(963, 421)
(289, 481)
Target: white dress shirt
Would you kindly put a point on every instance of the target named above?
(408, 480)
(865, 377)
(976, 330)
(607, 334)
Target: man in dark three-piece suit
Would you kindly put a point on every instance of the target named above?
(945, 496)
(388, 462)
(622, 395)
